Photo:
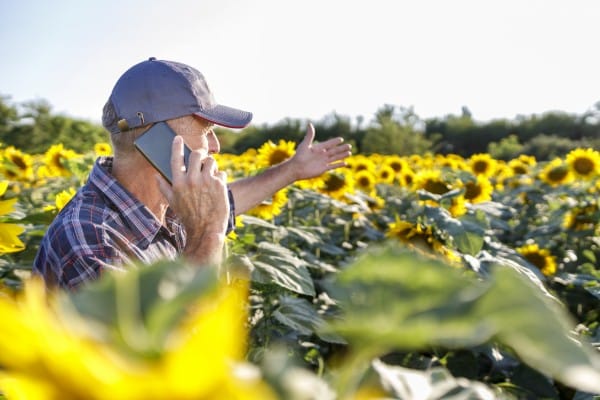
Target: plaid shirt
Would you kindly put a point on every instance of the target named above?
(104, 227)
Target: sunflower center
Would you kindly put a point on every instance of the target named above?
(334, 183)
(278, 156)
(19, 162)
(536, 259)
(519, 170)
(364, 182)
(396, 166)
(472, 191)
(435, 187)
(557, 174)
(583, 166)
(480, 167)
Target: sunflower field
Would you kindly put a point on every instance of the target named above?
(411, 277)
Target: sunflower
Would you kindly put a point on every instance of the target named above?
(54, 160)
(458, 206)
(397, 163)
(581, 218)
(518, 167)
(361, 163)
(406, 178)
(432, 181)
(451, 161)
(365, 180)
(556, 172)
(584, 163)
(9, 233)
(47, 351)
(271, 154)
(16, 165)
(336, 185)
(541, 258)
(420, 238)
(479, 190)
(386, 174)
(269, 209)
(482, 164)
(102, 149)
(61, 200)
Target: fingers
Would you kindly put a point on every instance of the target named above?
(177, 163)
(164, 187)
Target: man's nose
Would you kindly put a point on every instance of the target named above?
(213, 143)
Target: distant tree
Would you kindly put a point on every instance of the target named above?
(547, 147)
(34, 129)
(508, 148)
(395, 131)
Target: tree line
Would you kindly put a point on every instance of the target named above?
(32, 127)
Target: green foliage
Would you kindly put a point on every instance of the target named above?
(407, 303)
(395, 132)
(507, 149)
(33, 128)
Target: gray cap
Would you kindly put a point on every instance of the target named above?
(159, 90)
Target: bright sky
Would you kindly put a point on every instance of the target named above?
(309, 58)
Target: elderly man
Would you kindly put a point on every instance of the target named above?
(128, 212)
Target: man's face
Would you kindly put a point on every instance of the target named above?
(197, 133)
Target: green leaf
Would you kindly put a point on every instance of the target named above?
(299, 314)
(139, 307)
(405, 383)
(286, 275)
(394, 299)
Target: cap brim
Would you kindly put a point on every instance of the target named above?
(226, 116)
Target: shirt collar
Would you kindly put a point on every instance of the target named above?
(144, 225)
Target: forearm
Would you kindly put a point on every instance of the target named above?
(251, 191)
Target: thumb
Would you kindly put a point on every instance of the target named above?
(309, 137)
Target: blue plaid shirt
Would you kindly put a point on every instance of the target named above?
(104, 227)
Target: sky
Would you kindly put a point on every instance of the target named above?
(311, 58)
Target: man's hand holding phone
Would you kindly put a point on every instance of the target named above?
(198, 195)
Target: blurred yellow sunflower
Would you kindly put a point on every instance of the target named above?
(102, 149)
(61, 200)
(432, 181)
(479, 190)
(584, 163)
(16, 165)
(420, 238)
(581, 218)
(365, 180)
(362, 163)
(518, 167)
(9, 233)
(482, 164)
(386, 174)
(397, 163)
(556, 172)
(541, 258)
(458, 206)
(54, 160)
(50, 353)
(336, 185)
(272, 207)
(271, 154)
(406, 178)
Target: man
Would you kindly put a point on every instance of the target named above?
(128, 212)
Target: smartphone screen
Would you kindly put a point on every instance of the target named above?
(155, 144)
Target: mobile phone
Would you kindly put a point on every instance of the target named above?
(155, 144)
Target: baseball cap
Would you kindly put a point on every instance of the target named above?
(159, 90)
